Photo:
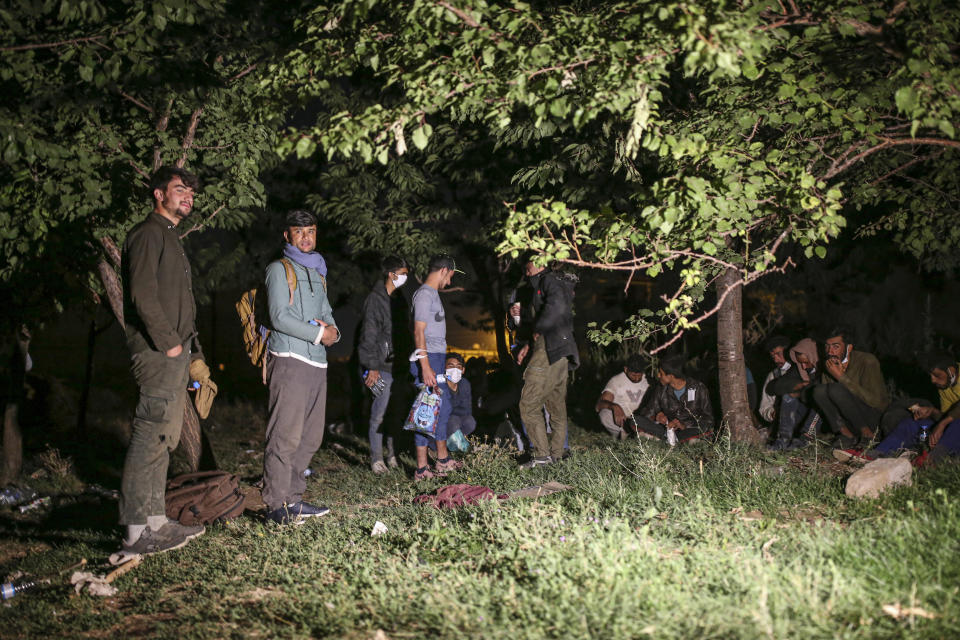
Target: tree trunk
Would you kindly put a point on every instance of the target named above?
(92, 334)
(735, 407)
(490, 278)
(87, 378)
(12, 444)
(13, 394)
(109, 277)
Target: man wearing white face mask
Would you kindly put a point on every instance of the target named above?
(461, 416)
(375, 352)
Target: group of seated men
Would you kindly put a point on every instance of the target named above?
(809, 393)
(679, 409)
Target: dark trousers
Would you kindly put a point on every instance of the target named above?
(656, 429)
(154, 434)
(792, 412)
(298, 402)
(839, 406)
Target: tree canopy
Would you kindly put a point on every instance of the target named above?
(106, 92)
(737, 132)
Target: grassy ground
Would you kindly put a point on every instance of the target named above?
(700, 541)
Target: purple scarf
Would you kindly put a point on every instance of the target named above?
(312, 260)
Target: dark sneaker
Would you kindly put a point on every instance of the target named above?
(779, 444)
(284, 516)
(536, 462)
(307, 510)
(796, 443)
(852, 455)
(845, 442)
(170, 536)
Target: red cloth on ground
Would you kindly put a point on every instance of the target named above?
(457, 495)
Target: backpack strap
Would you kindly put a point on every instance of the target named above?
(292, 278)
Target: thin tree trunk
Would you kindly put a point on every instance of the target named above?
(12, 436)
(12, 444)
(92, 334)
(87, 378)
(735, 407)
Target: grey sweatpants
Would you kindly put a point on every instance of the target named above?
(154, 434)
(298, 402)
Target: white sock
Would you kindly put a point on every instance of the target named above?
(134, 531)
(155, 522)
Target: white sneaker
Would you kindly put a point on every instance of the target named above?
(378, 467)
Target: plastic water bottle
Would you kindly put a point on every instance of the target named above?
(13, 496)
(378, 386)
(924, 436)
(194, 385)
(10, 589)
(672, 437)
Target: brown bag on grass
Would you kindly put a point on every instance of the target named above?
(204, 497)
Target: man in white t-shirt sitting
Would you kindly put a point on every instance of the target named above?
(622, 396)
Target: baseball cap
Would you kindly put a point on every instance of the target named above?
(443, 261)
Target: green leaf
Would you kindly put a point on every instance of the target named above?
(305, 147)
(786, 91)
(419, 138)
(906, 99)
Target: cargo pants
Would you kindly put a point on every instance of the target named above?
(545, 385)
(155, 433)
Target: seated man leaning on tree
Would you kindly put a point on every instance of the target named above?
(680, 404)
(777, 347)
(852, 395)
(622, 396)
(942, 425)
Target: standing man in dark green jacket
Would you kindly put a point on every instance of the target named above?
(160, 319)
